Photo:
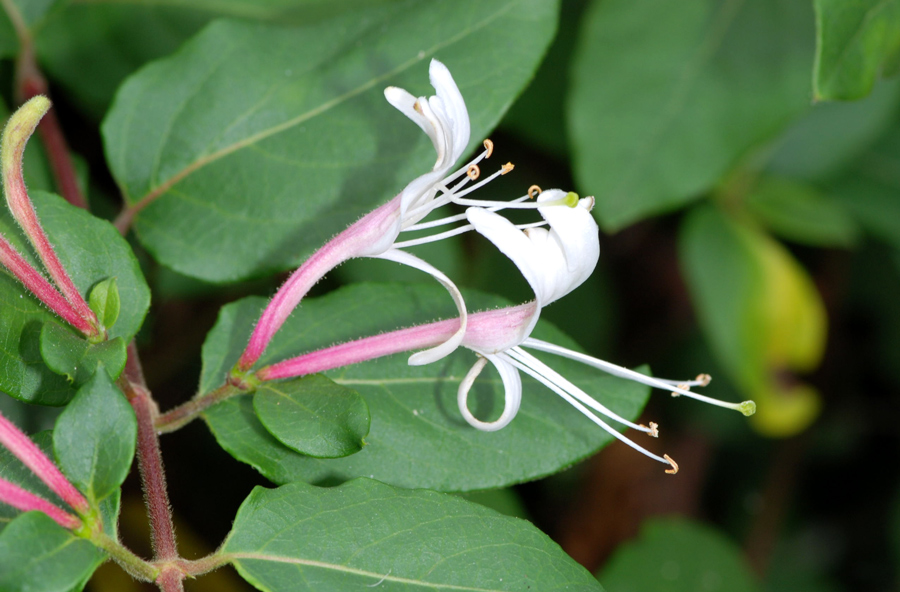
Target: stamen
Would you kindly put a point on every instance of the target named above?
(674, 464)
(703, 379)
(683, 386)
(434, 237)
(534, 191)
(507, 168)
(473, 171)
(584, 410)
(747, 407)
(653, 430)
(489, 147)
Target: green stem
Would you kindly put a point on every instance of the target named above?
(188, 412)
(134, 565)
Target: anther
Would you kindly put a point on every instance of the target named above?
(489, 146)
(654, 430)
(674, 468)
(473, 171)
(685, 387)
(506, 168)
(703, 379)
(533, 191)
(418, 107)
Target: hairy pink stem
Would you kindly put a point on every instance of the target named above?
(15, 136)
(13, 439)
(366, 236)
(37, 284)
(13, 495)
(369, 348)
(492, 329)
(153, 476)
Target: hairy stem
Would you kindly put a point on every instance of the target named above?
(131, 563)
(188, 412)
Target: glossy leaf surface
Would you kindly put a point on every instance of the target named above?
(364, 533)
(313, 415)
(418, 437)
(238, 184)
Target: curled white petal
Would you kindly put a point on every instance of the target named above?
(512, 388)
(439, 351)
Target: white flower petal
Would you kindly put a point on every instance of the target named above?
(453, 105)
(576, 229)
(512, 393)
(446, 348)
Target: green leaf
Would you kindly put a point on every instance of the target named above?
(870, 190)
(364, 533)
(856, 41)
(418, 437)
(91, 250)
(825, 141)
(12, 469)
(800, 213)
(77, 358)
(29, 15)
(91, 47)
(667, 97)
(313, 415)
(310, 142)
(38, 555)
(675, 555)
(104, 301)
(725, 281)
(94, 439)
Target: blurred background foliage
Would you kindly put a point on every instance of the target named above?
(745, 157)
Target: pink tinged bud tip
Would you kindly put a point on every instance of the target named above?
(12, 148)
(14, 440)
(13, 495)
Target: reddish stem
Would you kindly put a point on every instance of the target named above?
(31, 82)
(171, 580)
(153, 475)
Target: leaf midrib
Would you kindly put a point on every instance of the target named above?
(198, 164)
(350, 570)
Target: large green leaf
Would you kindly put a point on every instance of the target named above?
(94, 438)
(417, 437)
(857, 40)
(675, 555)
(38, 555)
(77, 358)
(364, 533)
(91, 250)
(668, 96)
(313, 415)
(240, 183)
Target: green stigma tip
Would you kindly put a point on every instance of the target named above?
(571, 199)
(748, 408)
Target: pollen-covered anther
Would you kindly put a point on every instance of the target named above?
(489, 146)
(653, 430)
(684, 387)
(534, 191)
(674, 464)
(473, 171)
(703, 379)
(507, 168)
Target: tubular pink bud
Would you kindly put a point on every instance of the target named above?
(15, 136)
(13, 495)
(14, 440)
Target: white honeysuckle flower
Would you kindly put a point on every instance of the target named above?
(445, 119)
(554, 261)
